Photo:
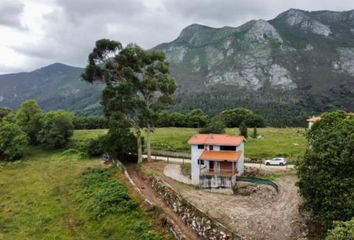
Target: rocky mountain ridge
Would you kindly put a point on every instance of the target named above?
(299, 57)
(297, 64)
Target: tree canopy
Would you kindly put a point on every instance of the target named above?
(234, 118)
(57, 129)
(137, 83)
(12, 141)
(326, 174)
(28, 117)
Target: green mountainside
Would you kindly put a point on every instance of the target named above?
(56, 86)
(298, 64)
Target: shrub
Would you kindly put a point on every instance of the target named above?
(326, 173)
(215, 126)
(29, 118)
(255, 134)
(96, 146)
(12, 141)
(57, 129)
(4, 112)
(102, 195)
(342, 231)
(196, 118)
(243, 130)
(120, 141)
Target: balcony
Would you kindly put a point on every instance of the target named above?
(219, 172)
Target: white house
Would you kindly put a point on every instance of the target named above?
(216, 159)
(312, 120)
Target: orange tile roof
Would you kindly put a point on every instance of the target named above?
(314, 119)
(216, 139)
(220, 155)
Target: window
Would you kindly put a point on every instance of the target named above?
(211, 147)
(201, 162)
(228, 148)
(200, 146)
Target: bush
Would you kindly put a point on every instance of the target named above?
(342, 231)
(120, 142)
(12, 141)
(215, 126)
(197, 118)
(326, 173)
(234, 118)
(96, 147)
(243, 130)
(4, 112)
(102, 195)
(57, 129)
(29, 118)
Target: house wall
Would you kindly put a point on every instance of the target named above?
(195, 154)
(240, 165)
(217, 181)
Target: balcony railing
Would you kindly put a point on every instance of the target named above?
(220, 172)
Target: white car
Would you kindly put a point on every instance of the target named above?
(276, 161)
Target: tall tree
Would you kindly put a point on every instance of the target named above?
(137, 84)
(28, 117)
(326, 174)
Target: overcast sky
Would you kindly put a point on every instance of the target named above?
(36, 33)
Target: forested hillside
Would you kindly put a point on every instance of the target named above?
(296, 65)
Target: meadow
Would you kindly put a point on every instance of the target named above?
(45, 196)
(272, 142)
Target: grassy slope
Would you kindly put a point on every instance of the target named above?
(37, 201)
(287, 142)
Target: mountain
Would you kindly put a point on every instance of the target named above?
(295, 65)
(56, 86)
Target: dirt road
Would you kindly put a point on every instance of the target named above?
(263, 215)
(145, 188)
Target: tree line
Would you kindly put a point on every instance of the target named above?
(31, 126)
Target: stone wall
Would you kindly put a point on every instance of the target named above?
(201, 223)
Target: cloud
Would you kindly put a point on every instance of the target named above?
(71, 28)
(10, 14)
(66, 30)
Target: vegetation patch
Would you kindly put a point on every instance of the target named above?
(50, 195)
(258, 181)
(186, 169)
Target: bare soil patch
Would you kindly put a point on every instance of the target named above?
(261, 215)
(143, 184)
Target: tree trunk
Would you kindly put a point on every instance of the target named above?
(148, 142)
(140, 155)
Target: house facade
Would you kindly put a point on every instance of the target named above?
(312, 120)
(216, 159)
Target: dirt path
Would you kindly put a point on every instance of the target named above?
(262, 215)
(259, 216)
(144, 185)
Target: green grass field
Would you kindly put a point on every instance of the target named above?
(38, 200)
(286, 142)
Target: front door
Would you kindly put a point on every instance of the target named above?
(211, 166)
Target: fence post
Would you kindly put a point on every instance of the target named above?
(167, 159)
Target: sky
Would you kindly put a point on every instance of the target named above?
(36, 33)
